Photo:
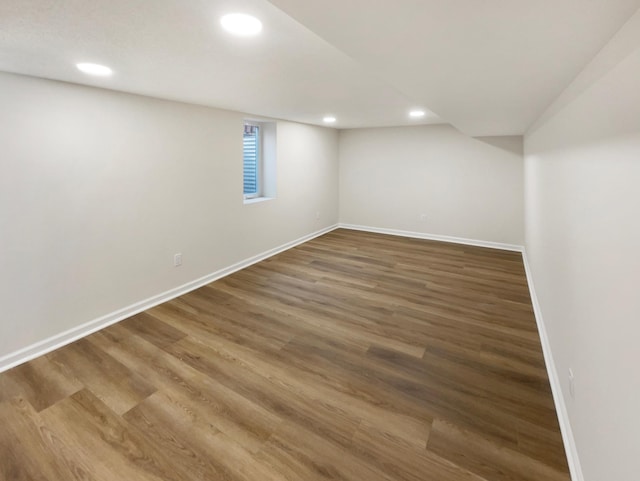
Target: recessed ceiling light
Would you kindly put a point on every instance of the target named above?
(94, 69)
(329, 119)
(416, 114)
(241, 24)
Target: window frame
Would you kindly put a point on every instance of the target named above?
(259, 161)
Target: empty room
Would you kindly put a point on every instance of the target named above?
(288, 240)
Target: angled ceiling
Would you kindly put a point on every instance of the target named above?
(488, 67)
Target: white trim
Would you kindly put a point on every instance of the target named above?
(556, 389)
(436, 237)
(54, 342)
(256, 200)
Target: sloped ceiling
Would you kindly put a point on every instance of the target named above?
(489, 67)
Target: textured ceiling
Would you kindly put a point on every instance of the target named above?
(489, 68)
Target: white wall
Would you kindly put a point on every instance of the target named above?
(98, 191)
(583, 243)
(467, 187)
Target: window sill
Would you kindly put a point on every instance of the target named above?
(257, 200)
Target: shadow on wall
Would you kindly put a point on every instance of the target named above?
(512, 143)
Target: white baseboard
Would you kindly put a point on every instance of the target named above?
(436, 237)
(54, 342)
(558, 399)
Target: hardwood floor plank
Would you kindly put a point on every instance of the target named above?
(42, 383)
(485, 458)
(320, 315)
(354, 356)
(279, 379)
(542, 444)
(26, 448)
(401, 461)
(152, 329)
(120, 388)
(322, 456)
(112, 447)
(181, 435)
(238, 417)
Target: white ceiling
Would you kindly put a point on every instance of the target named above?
(489, 67)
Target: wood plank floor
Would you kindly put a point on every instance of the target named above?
(355, 356)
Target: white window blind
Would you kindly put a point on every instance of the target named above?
(251, 160)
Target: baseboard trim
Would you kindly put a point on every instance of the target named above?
(59, 340)
(435, 237)
(561, 408)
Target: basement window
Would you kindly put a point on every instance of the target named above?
(258, 161)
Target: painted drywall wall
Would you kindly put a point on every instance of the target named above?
(433, 179)
(582, 176)
(99, 190)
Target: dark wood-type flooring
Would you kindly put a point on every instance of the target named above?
(355, 356)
